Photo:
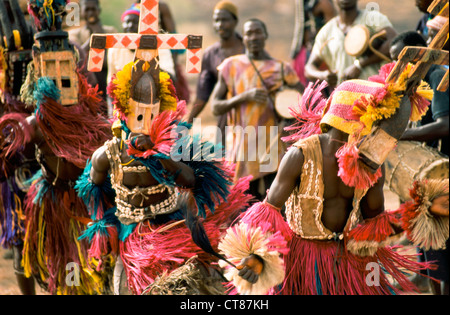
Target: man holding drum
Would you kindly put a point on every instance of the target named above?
(244, 90)
(225, 19)
(329, 45)
(432, 129)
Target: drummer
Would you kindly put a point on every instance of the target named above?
(244, 91)
(434, 130)
(329, 49)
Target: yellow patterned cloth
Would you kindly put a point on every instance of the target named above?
(252, 135)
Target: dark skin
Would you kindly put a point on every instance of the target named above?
(347, 13)
(130, 23)
(167, 21)
(101, 167)
(90, 12)
(224, 24)
(254, 37)
(337, 196)
(423, 5)
(65, 170)
(324, 8)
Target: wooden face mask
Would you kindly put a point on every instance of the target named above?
(60, 67)
(144, 102)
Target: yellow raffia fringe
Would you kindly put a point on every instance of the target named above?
(388, 106)
(40, 254)
(3, 69)
(168, 101)
(167, 97)
(426, 92)
(123, 86)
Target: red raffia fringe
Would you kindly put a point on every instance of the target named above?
(19, 129)
(150, 251)
(376, 229)
(352, 172)
(372, 234)
(74, 132)
(329, 269)
(264, 212)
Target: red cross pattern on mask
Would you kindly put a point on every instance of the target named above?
(146, 42)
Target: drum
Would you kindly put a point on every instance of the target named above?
(356, 41)
(359, 41)
(411, 161)
(285, 99)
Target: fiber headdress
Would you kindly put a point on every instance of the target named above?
(161, 121)
(354, 107)
(66, 106)
(134, 9)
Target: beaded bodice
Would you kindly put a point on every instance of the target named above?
(304, 207)
(126, 212)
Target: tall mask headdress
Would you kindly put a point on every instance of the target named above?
(148, 90)
(144, 100)
(53, 56)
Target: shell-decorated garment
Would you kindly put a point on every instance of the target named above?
(304, 207)
(127, 213)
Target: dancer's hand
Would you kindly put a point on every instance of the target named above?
(257, 95)
(250, 268)
(142, 142)
(439, 206)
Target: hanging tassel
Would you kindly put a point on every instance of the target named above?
(352, 172)
(16, 132)
(372, 234)
(308, 113)
(424, 229)
(102, 236)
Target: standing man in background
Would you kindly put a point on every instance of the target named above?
(225, 20)
(90, 12)
(244, 92)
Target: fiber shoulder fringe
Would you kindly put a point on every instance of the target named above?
(424, 229)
